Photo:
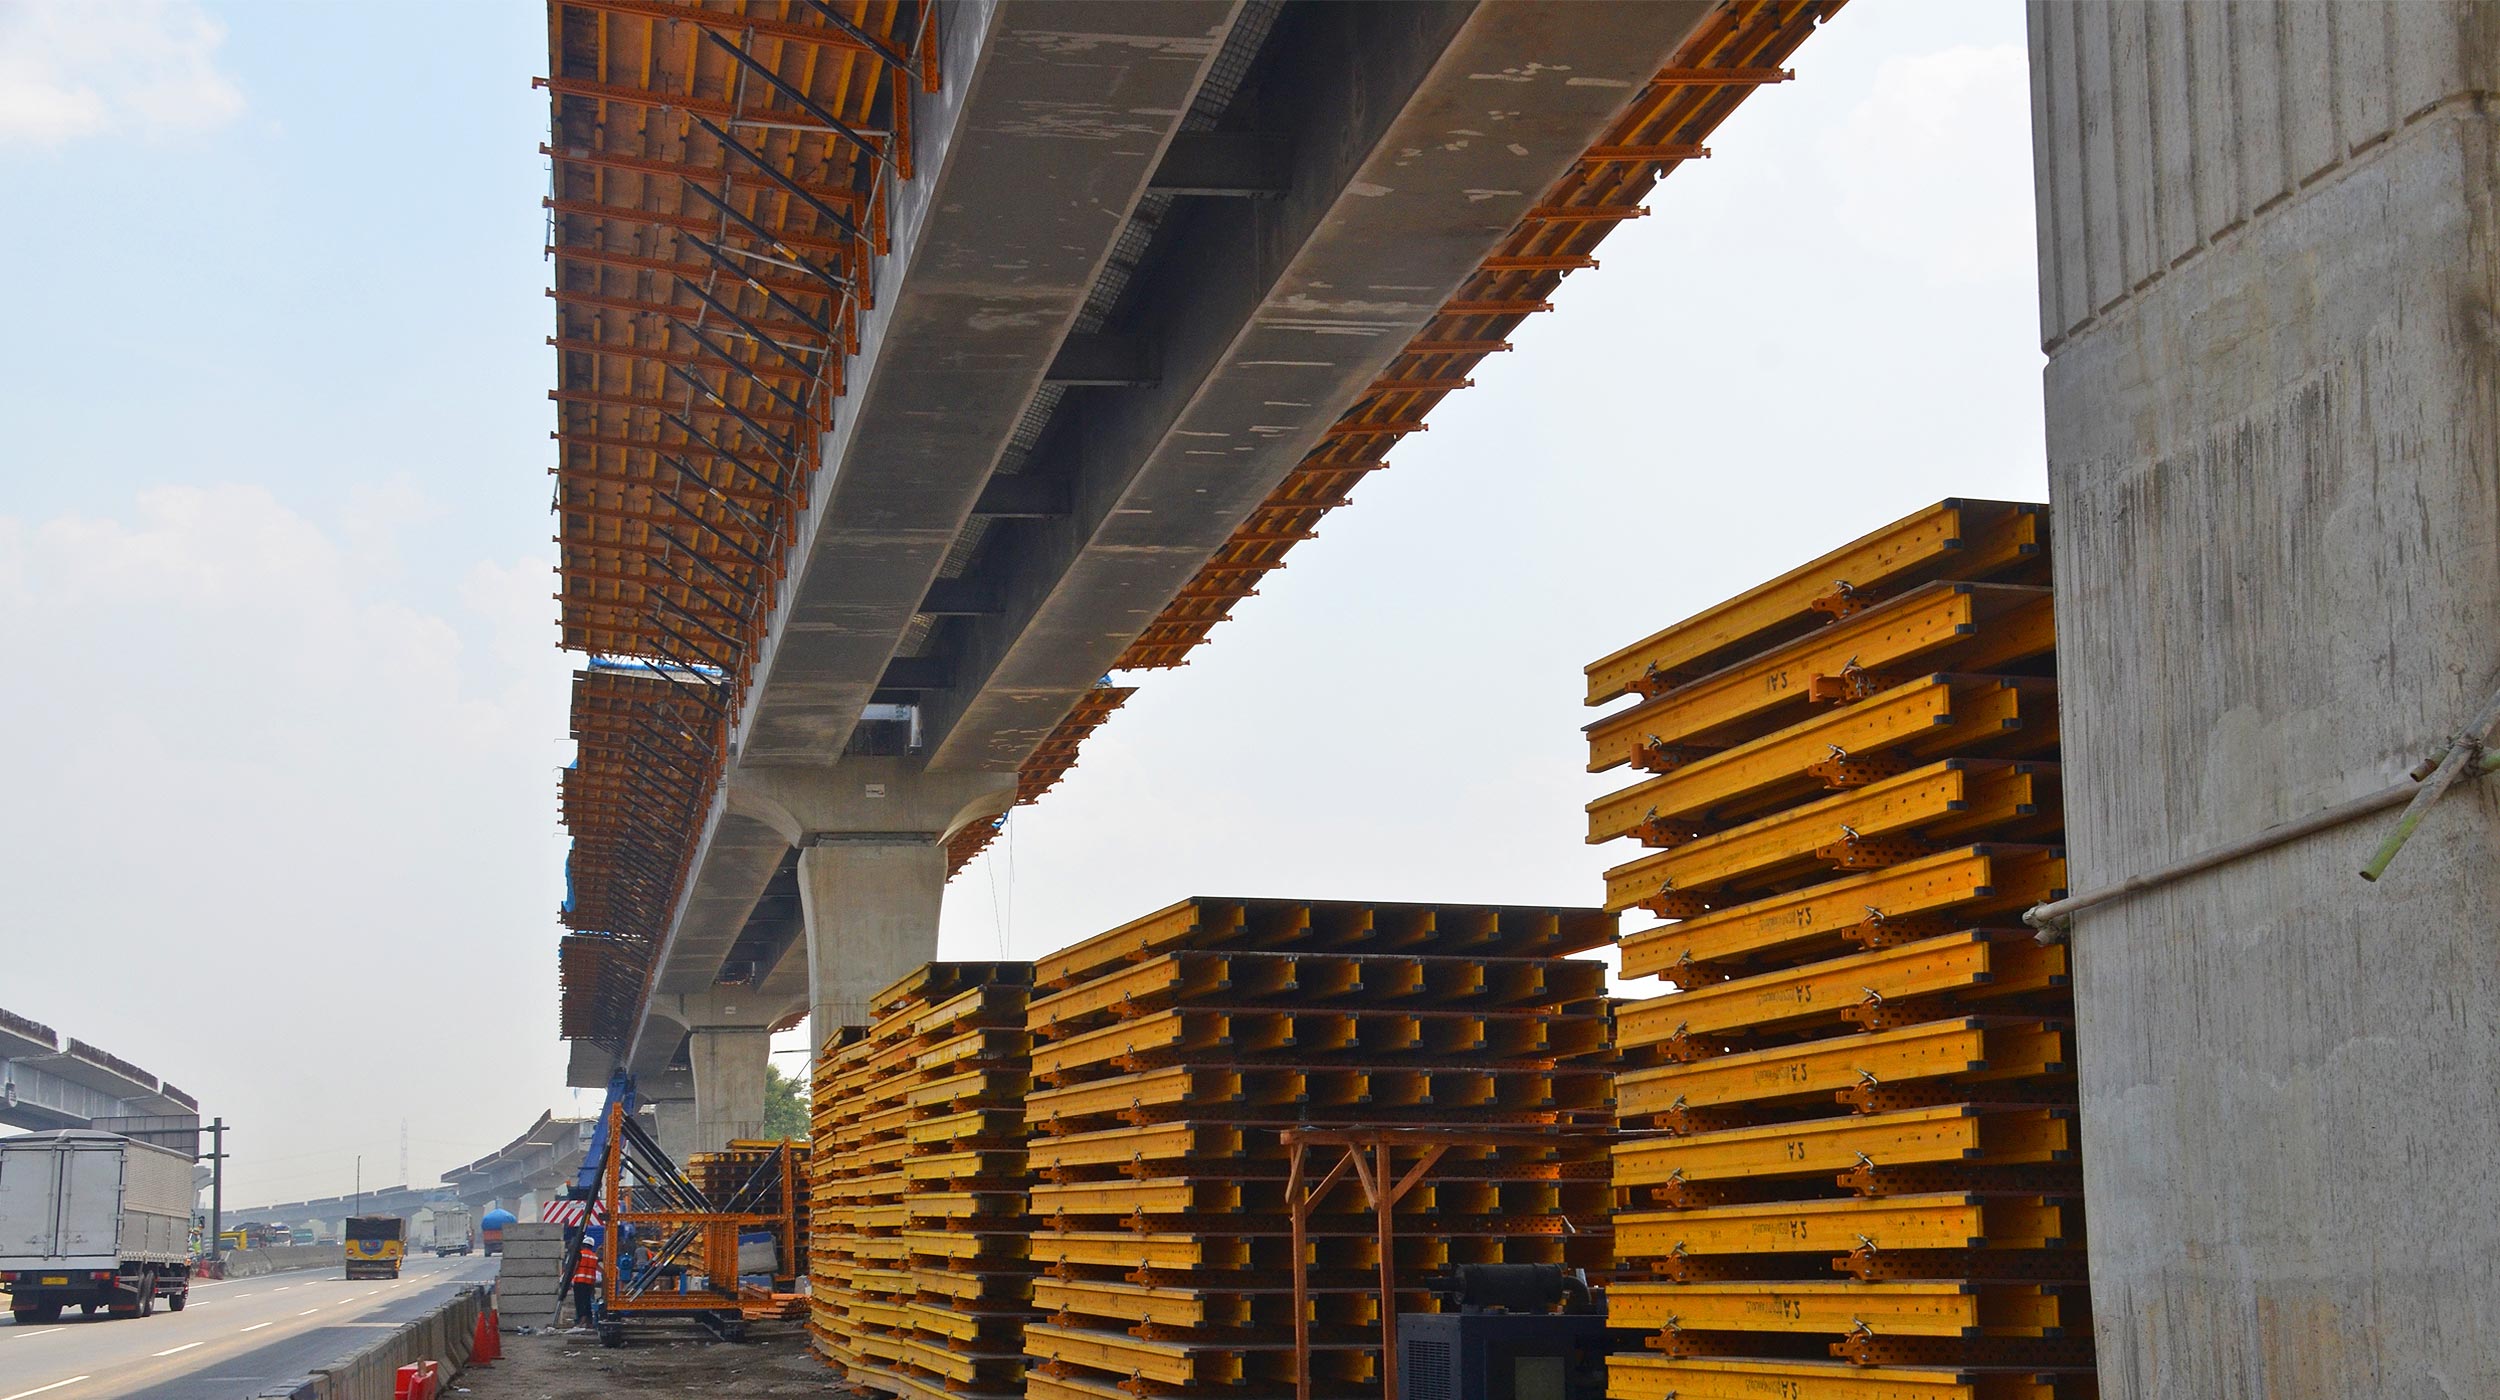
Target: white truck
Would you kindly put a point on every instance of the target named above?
(451, 1231)
(94, 1221)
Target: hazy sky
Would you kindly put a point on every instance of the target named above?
(279, 798)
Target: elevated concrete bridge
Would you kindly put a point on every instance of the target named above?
(50, 1081)
(1119, 302)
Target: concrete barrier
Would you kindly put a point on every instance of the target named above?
(278, 1258)
(442, 1336)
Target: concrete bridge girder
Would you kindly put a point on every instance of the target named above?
(1399, 145)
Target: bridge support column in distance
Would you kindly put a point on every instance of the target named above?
(728, 1084)
(2266, 240)
(673, 1122)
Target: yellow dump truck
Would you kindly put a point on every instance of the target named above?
(375, 1245)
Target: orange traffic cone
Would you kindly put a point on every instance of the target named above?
(487, 1344)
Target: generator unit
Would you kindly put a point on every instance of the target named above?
(1503, 1338)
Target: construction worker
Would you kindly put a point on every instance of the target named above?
(585, 1282)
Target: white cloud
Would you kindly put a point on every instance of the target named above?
(78, 68)
(1908, 164)
(240, 760)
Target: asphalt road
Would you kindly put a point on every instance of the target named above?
(232, 1340)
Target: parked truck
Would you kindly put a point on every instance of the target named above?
(375, 1245)
(451, 1230)
(93, 1221)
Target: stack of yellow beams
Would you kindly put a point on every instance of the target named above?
(829, 1236)
(927, 1121)
(1852, 1171)
(1170, 1052)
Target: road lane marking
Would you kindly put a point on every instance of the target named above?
(308, 1312)
(38, 1390)
(38, 1332)
(259, 1325)
(186, 1346)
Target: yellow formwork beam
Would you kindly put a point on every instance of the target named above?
(1173, 1363)
(1941, 1220)
(1972, 962)
(1880, 1309)
(1821, 1146)
(1165, 1142)
(1959, 539)
(1631, 1376)
(1932, 716)
(1936, 626)
(1953, 797)
(1138, 1302)
(1120, 1249)
(1039, 1386)
(1160, 1196)
(1162, 1088)
(1974, 1048)
(1961, 884)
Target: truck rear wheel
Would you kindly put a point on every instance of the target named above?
(147, 1295)
(178, 1297)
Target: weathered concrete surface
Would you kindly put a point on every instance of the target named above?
(729, 1066)
(2268, 275)
(872, 915)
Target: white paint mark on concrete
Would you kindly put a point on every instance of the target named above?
(186, 1346)
(1367, 190)
(38, 1390)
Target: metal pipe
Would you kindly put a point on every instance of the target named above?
(2051, 918)
(2465, 746)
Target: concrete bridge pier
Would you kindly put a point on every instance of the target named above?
(673, 1123)
(2270, 257)
(728, 1066)
(872, 866)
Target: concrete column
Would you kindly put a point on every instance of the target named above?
(2267, 249)
(673, 1122)
(872, 915)
(728, 1083)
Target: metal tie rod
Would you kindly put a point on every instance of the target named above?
(2464, 756)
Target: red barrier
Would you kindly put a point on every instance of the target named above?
(417, 1381)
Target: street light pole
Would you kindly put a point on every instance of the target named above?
(217, 1185)
(360, 1183)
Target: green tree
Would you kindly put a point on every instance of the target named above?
(785, 1104)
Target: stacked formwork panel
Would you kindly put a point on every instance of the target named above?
(1855, 1172)
(927, 1288)
(831, 1235)
(1171, 1052)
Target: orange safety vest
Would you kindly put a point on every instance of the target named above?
(586, 1267)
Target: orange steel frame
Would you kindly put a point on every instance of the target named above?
(717, 1249)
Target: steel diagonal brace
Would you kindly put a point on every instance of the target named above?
(877, 46)
(713, 251)
(753, 331)
(678, 465)
(786, 447)
(742, 367)
(660, 561)
(773, 173)
(805, 103)
(771, 483)
(723, 536)
(789, 258)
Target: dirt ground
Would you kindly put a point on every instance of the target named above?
(663, 1359)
